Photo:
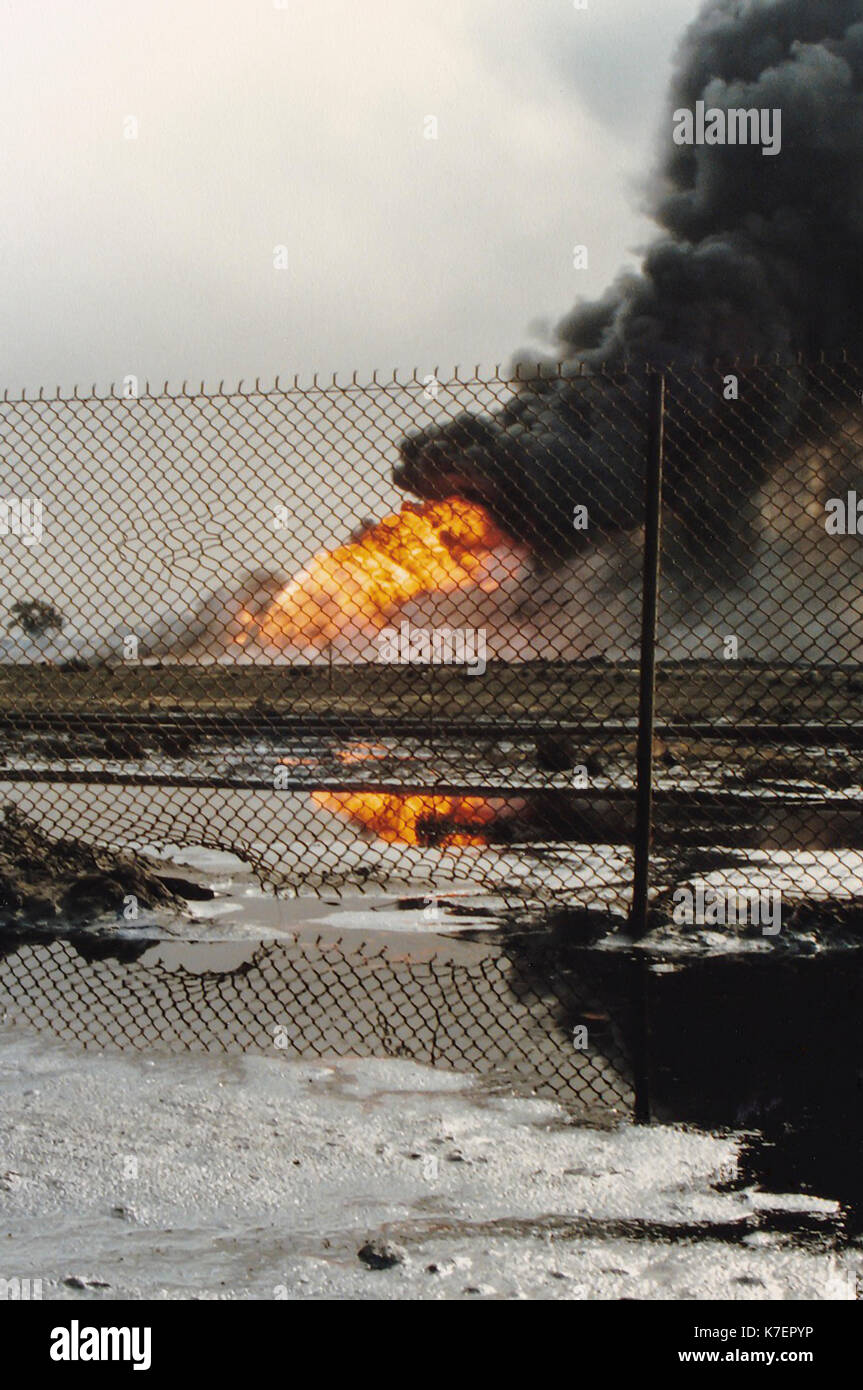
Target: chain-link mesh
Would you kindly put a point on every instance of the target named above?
(759, 749)
(391, 634)
(495, 1013)
(187, 697)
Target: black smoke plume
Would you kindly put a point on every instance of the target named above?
(760, 258)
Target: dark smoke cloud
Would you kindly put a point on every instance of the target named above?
(758, 257)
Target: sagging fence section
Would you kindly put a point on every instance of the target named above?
(558, 1026)
(566, 637)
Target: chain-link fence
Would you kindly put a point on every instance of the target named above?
(757, 752)
(566, 638)
(197, 692)
(551, 1026)
(453, 691)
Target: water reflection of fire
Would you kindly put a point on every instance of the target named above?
(418, 820)
(431, 547)
(437, 547)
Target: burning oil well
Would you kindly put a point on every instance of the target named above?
(748, 302)
(318, 716)
(525, 527)
(758, 260)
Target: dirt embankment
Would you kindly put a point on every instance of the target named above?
(43, 880)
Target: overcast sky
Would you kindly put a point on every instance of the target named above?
(301, 123)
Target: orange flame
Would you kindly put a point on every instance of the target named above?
(433, 547)
(415, 820)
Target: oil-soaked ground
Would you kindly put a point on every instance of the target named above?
(773, 1045)
(494, 1172)
(251, 1177)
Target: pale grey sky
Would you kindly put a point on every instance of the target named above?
(301, 123)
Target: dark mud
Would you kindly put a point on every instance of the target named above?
(45, 882)
(770, 1045)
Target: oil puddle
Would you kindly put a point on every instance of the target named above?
(770, 1046)
(765, 1047)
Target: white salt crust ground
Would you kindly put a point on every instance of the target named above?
(261, 1178)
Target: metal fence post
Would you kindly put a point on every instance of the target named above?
(647, 672)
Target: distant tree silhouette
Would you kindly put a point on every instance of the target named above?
(35, 617)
